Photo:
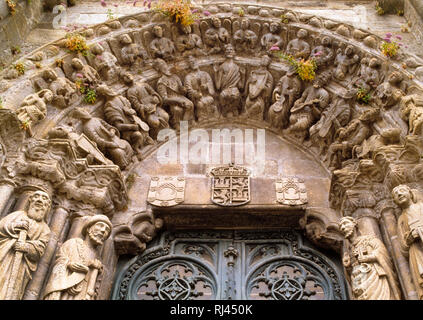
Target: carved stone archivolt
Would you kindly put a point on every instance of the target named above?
(78, 127)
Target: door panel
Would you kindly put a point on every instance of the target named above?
(224, 265)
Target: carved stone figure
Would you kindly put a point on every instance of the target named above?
(119, 113)
(216, 36)
(245, 39)
(345, 63)
(410, 231)
(272, 38)
(132, 54)
(299, 48)
(369, 75)
(161, 47)
(336, 116)
(258, 89)
(23, 238)
(350, 136)
(64, 91)
(388, 137)
(368, 263)
(189, 43)
(411, 109)
(147, 103)
(33, 108)
(309, 107)
(84, 73)
(323, 53)
(171, 90)
(390, 92)
(105, 63)
(229, 78)
(77, 263)
(286, 92)
(200, 90)
(106, 137)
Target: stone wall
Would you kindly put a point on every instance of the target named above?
(14, 28)
(413, 11)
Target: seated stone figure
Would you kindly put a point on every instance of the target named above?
(309, 107)
(369, 75)
(345, 63)
(284, 95)
(106, 137)
(258, 89)
(323, 53)
(350, 136)
(64, 91)
(245, 39)
(216, 37)
(132, 54)
(171, 90)
(105, 63)
(411, 110)
(119, 113)
(84, 73)
(147, 103)
(161, 47)
(189, 43)
(272, 38)
(390, 92)
(200, 90)
(299, 48)
(229, 79)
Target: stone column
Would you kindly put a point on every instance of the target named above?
(58, 226)
(401, 262)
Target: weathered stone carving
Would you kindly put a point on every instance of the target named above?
(229, 78)
(64, 91)
(390, 92)
(33, 108)
(284, 95)
(200, 90)
(84, 73)
(216, 36)
(345, 63)
(309, 107)
(119, 113)
(299, 48)
(388, 137)
(105, 63)
(147, 103)
(323, 54)
(410, 227)
(337, 115)
(166, 191)
(368, 264)
(77, 264)
(291, 191)
(23, 238)
(171, 90)
(350, 136)
(230, 185)
(245, 39)
(369, 75)
(131, 54)
(411, 109)
(272, 38)
(161, 47)
(189, 43)
(106, 137)
(258, 90)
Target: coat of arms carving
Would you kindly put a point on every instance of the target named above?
(230, 185)
(291, 191)
(166, 191)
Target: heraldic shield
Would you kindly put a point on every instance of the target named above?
(230, 185)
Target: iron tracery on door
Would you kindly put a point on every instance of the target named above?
(230, 265)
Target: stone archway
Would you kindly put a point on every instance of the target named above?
(367, 151)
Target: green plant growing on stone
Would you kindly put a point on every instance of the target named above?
(390, 47)
(363, 96)
(15, 50)
(25, 124)
(305, 69)
(400, 12)
(76, 42)
(12, 6)
(90, 96)
(284, 19)
(1, 103)
(59, 63)
(110, 15)
(241, 12)
(19, 67)
(379, 9)
(179, 11)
